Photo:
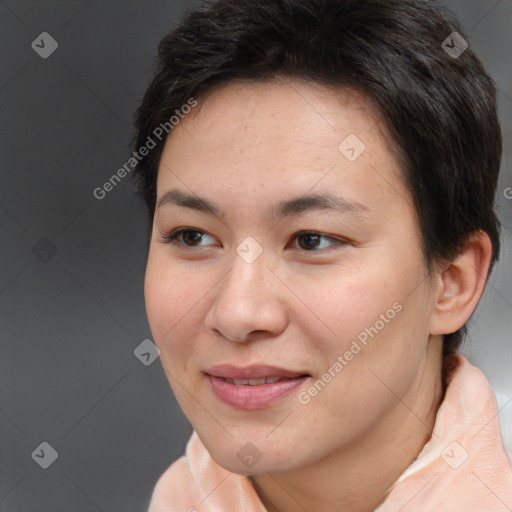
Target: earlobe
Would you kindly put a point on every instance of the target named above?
(460, 285)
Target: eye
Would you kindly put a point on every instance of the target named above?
(189, 237)
(309, 241)
(312, 240)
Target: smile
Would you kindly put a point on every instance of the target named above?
(255, 382)
(254, 387)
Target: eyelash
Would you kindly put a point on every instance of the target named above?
(172, 238)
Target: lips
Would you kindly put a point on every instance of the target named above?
(253, 387)
(254, 382)
(227, 371)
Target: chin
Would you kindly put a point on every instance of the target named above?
(247, 459)
(261, 467)
(249, 451)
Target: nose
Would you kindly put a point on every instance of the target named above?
(248, 304)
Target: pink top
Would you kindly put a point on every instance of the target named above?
(462, 468)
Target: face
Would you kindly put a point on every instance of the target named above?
(342, 310)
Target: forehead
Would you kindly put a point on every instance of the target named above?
(283, 135)
(309, 111)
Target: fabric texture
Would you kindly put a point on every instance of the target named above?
(462, 468)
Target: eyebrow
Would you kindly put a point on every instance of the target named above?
(295, 206)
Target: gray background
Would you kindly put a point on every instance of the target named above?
(72, 266)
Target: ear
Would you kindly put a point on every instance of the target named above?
(459, 286)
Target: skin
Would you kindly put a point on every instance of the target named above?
(247, 146)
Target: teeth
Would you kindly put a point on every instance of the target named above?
(241, 382)
(254, 382)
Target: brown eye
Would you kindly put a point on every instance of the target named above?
(191, 237)
(312, 241)
(188, 237)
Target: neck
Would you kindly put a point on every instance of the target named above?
(369, 467)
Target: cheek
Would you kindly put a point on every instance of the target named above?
(339, 305)
(171, 301)
(159, 294)
(382, 337)
(377, 316)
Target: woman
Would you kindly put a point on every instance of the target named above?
(321, 192)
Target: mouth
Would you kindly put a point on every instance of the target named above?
(260, 381)
(253, 387)
(253, 372)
